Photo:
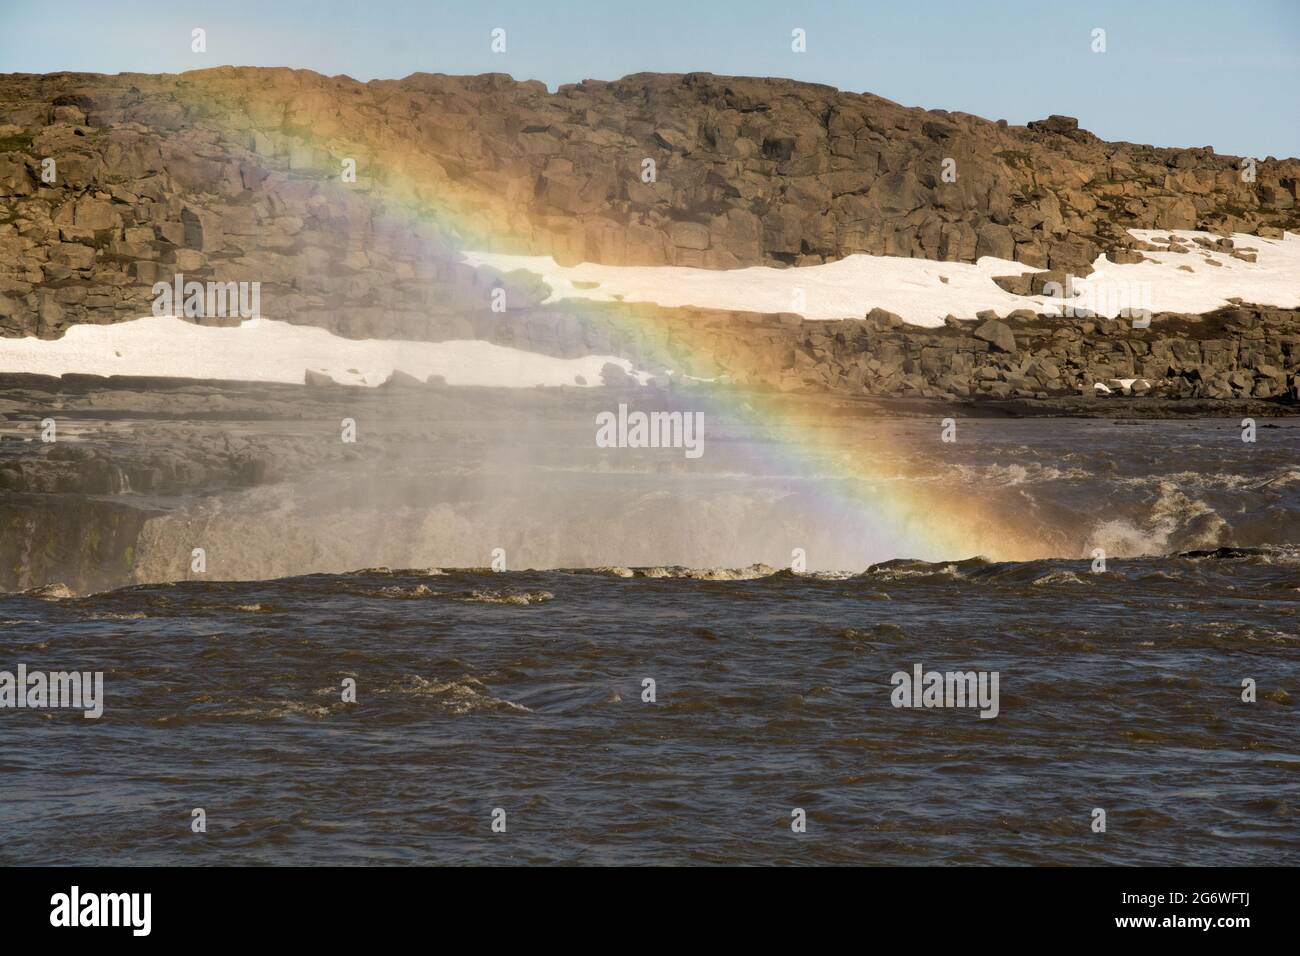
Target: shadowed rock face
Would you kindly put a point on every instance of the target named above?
(235, 175)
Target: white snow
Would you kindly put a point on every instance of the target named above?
(915, 288)
(263, 350)
(1273, 279)
(849, 288)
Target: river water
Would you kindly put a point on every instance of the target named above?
(1120, 689)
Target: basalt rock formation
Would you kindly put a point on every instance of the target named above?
(1240, 352)
(1235, 353)
(110, 183)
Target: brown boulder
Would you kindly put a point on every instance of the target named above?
(997, 334)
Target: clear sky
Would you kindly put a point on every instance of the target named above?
(1175, 72)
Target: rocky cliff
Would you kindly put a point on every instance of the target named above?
(109, 183)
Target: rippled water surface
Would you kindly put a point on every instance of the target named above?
(523, 691)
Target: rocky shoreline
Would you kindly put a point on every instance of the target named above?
(1246, 352)
(1243, 352)
(1244, 356)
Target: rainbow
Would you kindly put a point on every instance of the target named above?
(905, 512)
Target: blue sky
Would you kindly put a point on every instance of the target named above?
(1175, 72)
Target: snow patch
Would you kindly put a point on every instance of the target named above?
(264, 350)
(923, 291)
(1272, 279)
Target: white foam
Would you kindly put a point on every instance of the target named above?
(916, 290)
(263, 350)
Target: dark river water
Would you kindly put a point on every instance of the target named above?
(523, 692)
